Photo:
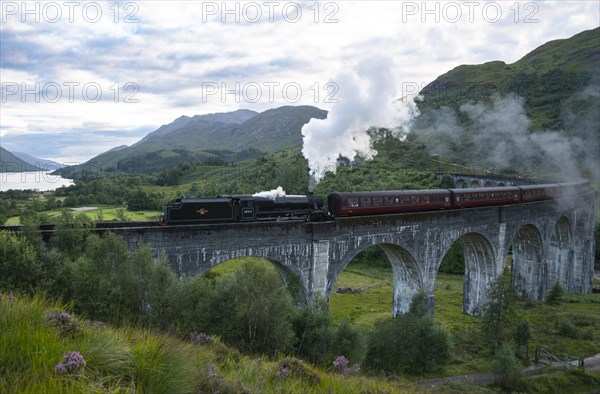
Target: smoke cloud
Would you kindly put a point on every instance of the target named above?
(498, 137)
(366, 99)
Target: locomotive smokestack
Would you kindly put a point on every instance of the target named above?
(311, 184)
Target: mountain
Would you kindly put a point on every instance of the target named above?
(235, 117)
(231, 136)
(42, 163)
(9, 162)
(546, 78)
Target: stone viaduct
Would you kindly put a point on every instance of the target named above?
(550, 241)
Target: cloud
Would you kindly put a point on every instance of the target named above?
(173, 47)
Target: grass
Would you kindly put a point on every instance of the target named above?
(108, 213)
(133, 360)
(365, 308)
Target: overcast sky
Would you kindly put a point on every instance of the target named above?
(79, 78)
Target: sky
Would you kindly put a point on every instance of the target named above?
(79, 78)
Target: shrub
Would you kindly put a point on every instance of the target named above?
(314, 332)
(407, 343)
(250, 309)
(556, 295)
(567, 329)
(507, 369)
(349, 340)
(20, 268)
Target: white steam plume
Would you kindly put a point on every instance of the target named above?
(499, 135)
(272, 194)
(366, 99)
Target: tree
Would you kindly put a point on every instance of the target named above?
(407, 343)
(70, 233)
(556, 294)
(264, 311)
(522, 337)
(19, 265)
(162, 296)
(110, 283)
(499, 313)
(191, 308)
(454, 260)
(250, 309)
(349, 340)
(313, 331)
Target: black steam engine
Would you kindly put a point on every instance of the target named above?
(243, 209)
(310, 208)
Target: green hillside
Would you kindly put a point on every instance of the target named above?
(11, 163)
(546, 78)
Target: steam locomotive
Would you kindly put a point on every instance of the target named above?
(244, 208)
(248, 208)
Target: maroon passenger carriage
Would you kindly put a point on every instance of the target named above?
(388, 202)
(532, 193)
(485, 196)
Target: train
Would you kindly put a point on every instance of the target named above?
(247, 208)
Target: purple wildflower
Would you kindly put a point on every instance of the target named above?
(341, 365)
(60, 368)
(283, 372)
(353, 369)
(66, 322)
(200, 338)
(72, 362)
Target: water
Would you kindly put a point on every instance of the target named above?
(38, 180)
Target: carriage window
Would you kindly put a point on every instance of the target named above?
(352, 202)
(389, 201)
(377, 201)
(365, 202)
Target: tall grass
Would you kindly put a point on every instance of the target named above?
(31, 346)
(129, 360)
